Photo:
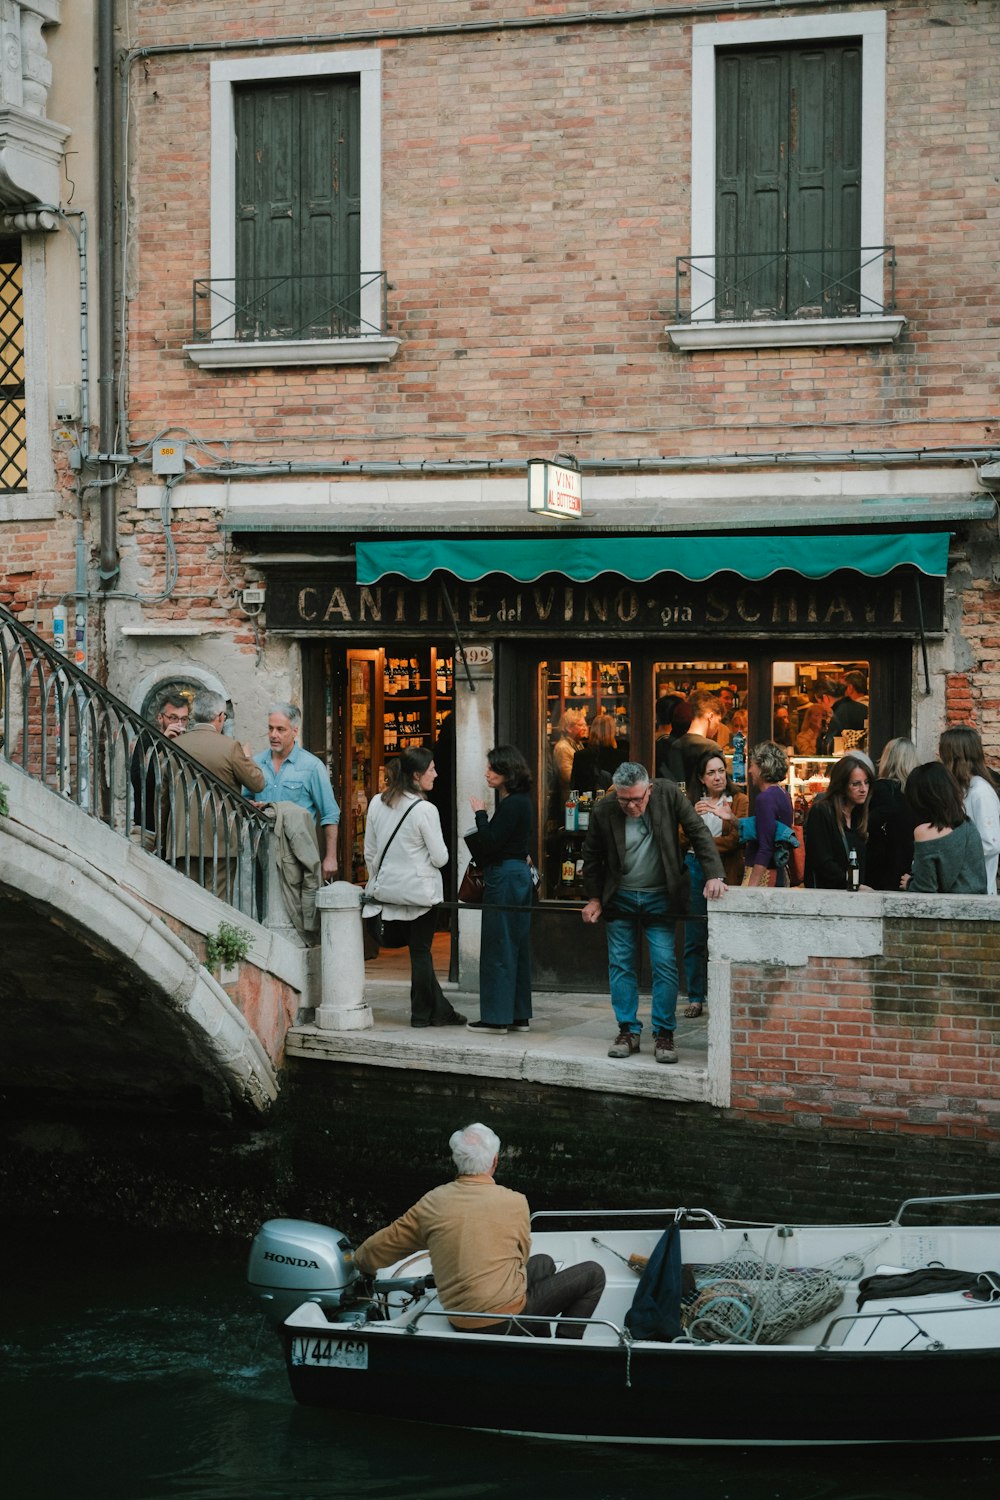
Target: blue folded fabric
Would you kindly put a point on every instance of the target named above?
(782, 833)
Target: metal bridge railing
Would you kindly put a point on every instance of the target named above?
(65, 730)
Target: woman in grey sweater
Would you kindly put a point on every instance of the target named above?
(947, 848)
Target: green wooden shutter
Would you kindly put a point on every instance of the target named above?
(788, 181)
(298, 209)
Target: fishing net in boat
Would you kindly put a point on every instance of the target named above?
(755, 1300)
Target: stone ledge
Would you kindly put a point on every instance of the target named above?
(546, 1060)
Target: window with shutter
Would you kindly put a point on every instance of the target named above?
(296, 273)
(788, 182)
(788, 130)
(298, 208)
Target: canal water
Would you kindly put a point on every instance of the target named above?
(134, 1367)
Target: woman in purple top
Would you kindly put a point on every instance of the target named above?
(766, 771)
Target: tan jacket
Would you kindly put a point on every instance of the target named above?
(225, 758)
(300, 869)
(478, 1235)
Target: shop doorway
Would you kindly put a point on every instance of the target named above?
(594, 713)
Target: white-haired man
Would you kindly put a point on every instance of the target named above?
(479, 1235)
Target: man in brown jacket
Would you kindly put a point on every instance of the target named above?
(205, 843)
(634, 877)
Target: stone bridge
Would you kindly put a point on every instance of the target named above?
(106, 1000)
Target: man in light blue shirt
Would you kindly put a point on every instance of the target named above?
(292, 774)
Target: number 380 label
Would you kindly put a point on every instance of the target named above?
(345, 1354)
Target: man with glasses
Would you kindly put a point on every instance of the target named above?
(634, 876)
(147, 776)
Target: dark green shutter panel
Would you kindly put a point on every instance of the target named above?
(298, 209)
(788, 181)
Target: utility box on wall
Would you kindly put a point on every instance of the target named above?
(168, 458)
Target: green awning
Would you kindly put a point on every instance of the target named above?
(640, 558)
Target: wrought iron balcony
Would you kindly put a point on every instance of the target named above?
(272, 309)
(786, 285)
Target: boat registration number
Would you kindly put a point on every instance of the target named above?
(344, 1354)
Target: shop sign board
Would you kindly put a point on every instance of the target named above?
(321, 602)
(554, 489)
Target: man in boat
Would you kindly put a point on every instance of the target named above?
(634, 876)
(478, 1235)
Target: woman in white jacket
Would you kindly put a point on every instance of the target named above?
(405, 876)
(961, 750)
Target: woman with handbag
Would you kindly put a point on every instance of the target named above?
(405, 848)
(500, 846)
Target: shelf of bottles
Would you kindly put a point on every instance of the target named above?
(576, 821)
(417, 693)
(593, 686)
(396, 702)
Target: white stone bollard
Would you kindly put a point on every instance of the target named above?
(342, 960)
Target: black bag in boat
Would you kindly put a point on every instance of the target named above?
(656, 1307)
(925, 1281)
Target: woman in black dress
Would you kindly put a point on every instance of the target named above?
(890, 820)
(500, 846)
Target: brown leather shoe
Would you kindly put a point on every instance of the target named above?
(626, 1045)
(663, 1047)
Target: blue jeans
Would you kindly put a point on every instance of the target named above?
(629, 913)
(696, 934)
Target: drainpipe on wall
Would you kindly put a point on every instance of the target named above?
(107, 479)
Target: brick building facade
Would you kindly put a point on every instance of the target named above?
(537, 199)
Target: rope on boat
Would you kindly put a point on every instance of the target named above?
(753, 1298)
(627, 1341)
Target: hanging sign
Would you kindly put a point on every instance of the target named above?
(554, 489)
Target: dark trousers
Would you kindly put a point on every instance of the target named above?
(572, 1293)
(505, 944)
(428, 1002)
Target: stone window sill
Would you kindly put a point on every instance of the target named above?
(223, 354)
(791, 333)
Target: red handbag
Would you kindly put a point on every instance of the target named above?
(473, 884)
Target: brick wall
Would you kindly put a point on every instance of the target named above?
(903, 1043)
(536, 193)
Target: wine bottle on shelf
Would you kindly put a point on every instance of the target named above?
(441, 677)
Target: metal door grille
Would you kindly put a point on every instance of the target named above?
(13, 427)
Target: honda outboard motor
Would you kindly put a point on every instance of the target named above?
(293, 1261)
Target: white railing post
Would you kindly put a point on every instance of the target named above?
(342, 960)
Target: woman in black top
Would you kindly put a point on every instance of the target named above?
(837, 825)
(500, 846)
(890, 818)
